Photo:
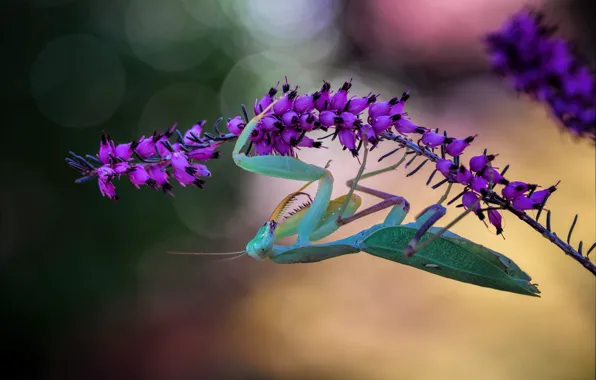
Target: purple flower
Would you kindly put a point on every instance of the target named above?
(478, 184)
(478, 163)
(405, 126)
(456, 147)
(493, 176)
(184, 178)
(340, 99)
(107, 189)
(546, 68)
(264, 147)
(327, 118)
(515, 189)
(381, 123)
(463, 176)
(191, 135)
(269, 123)
(432, 139)
(540, 195)
(266, 100)
(523, 203)
(146, 146)
(236, 125)
(470, 200)
(348, 139)
(284, 104)
(495, 218)
(158, 173)
(322, 97)
(308, 122)
(304, 103)
(124, 151)
(446, 167)
(106, 148)
(347, 120)
(290, 118)
(357, 105)
(204, 154)
(382, 108)
(139, 176)
(105, 174)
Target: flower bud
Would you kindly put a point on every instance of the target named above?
(523, 203)
(357, 105)
(327, 118)
(446, 167)
(514, 189)
(432, 139)
(284, 104)
(495, 218)
(463, 176)
(236, 125)
(340, 99)
(270, 123)
(382, 108)
(290, 118)
(265, 101)
(456, 147)
(304, 103)
(308, 122)
(478, 163)
(479, 184)
(321, 97)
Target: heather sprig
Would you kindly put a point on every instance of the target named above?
(151, 161)
(287, 125)
(547, 68)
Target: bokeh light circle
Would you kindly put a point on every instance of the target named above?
(165, 36)
(277, 22)
(208, 12)
(77, 81)
(252, 77)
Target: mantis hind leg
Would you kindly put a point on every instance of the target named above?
(400, 206)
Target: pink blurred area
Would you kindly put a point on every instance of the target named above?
(446, 31)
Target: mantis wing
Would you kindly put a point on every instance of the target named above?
(451, 256)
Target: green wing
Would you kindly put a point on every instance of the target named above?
(453, 257)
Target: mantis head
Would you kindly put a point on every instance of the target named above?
(260, 247)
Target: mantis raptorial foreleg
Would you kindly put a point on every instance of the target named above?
(289, 168)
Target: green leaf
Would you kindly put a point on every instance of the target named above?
(451, 256)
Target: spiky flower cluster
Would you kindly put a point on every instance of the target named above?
(547, 68)
(150, 161)
(284, 129)
(355, 119)
(481, 177)
(286, 125)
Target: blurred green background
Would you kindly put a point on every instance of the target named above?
(87, 289)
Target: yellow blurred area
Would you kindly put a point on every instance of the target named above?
(360, 317)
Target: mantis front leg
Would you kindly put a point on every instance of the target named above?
(289, 168)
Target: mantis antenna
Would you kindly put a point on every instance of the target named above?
(238, 253)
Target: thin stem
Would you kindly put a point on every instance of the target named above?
(353, 187)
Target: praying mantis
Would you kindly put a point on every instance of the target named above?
(417, 244)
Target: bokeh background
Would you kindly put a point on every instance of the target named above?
(87, 290)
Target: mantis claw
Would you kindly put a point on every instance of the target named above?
(426, 219)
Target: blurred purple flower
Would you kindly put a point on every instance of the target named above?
(526, 52)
